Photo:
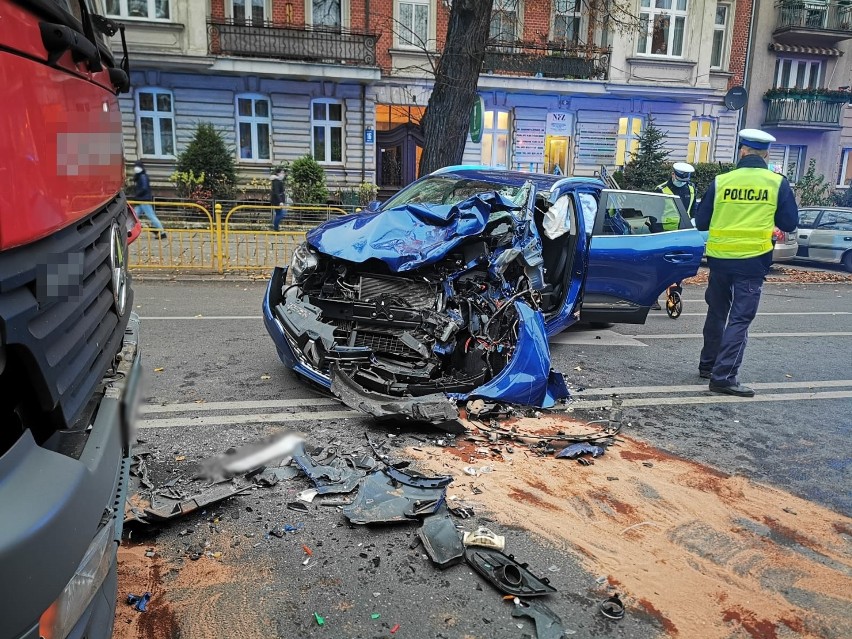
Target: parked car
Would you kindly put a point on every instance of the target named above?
(784, 245)
(452, 287)
(825, 235)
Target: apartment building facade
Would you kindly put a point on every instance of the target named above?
(799, 78)
(347, 81)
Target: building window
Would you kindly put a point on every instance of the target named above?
(627, 142)
(150, 9)
(326, 13)
(155, 114)
(720, 37)
(495, 139)
(253, 127)
(413, 23)
(327, 127)
(797, 74)
(788, 160)
(249, 12)
(662, 24)
(505, 21)
(566, 21)
(844, 178)
(700, 140)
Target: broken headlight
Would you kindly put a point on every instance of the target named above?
(304, 262)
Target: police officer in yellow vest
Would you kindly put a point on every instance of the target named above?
(679, 184)
(740, 210)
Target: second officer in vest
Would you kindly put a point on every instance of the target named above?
(679, 184)
(740, 210)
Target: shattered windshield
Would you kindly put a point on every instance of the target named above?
(452, 190)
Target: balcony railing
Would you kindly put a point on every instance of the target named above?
(548, 61)
(804, 112)
(292, 43)
(829, 18)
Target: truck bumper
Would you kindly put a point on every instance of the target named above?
(55, 509)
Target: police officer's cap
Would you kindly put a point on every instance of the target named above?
(756, 139)
(683, 170)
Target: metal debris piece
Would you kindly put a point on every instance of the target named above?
(441, 540)
(612, 608)
(298, 506)
(548, 625)
(506, 574)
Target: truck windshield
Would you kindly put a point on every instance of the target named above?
(450, 190)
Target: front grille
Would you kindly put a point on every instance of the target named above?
(57, 313)
(417, 294)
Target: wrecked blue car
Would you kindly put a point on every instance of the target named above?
(450, 289)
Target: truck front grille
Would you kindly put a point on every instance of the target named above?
(58, 320)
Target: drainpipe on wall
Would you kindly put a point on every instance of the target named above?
(747, 70)
(363, 131)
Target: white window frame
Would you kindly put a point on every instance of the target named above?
(845, 168)
(500, 6)
(575, 14)
(629, 137)
(801, 159)
(725, 30)
(156, 116)
(492, 133)
(329, 125)
(253, 120)
(344, 13)
(795, 64)
(698, 140)
(649, 10)
(403, 32)
(249, 21)
(124, 12)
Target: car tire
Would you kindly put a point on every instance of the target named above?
(847, 261)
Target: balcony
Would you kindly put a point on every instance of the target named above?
(296, 43)
(813, 23)
(548, 61)
(816, 110)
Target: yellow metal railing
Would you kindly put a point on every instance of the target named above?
(233, 243)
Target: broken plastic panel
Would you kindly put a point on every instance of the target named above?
(576, 450)
(164, 508)
(506, 574)
(390, 496)
(441, 540)
(548, 625)
(333, 476)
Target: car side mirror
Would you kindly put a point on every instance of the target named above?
(374, 206)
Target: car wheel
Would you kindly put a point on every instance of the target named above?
(847, 261)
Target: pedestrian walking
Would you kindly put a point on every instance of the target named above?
(679, 184)
(277, 197)
(143, 193)
(740, 210)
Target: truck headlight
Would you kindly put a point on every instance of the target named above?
(304, 262)
(58, 620)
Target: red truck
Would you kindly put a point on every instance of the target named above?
(69, 359)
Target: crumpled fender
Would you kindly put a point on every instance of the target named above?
(407, 237)
(527, 379)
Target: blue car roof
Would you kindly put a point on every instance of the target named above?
(542, 181)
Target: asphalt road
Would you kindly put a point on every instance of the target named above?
(214, 381)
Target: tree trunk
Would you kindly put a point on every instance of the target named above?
(447, 118)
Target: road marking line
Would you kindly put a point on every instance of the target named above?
(283, 418)
(750, 335)
(148, 318)
(645, 390)
(245, 405)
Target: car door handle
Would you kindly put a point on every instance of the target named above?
(678, 257)
(847, 239)
(803, 237)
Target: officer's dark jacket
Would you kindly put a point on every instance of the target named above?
(786, 219)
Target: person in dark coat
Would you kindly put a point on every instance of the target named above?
(278, 197)
(740, 210)
(143, 193)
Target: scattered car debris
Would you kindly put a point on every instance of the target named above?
(548, 625)
(334, 474)
(390, 495)
(139, 602)
(506, 574)
(320, 620)
(171, 504)
(441, 540)
(612, 608)
(485, 538)
(576, 450)
(460, 511)
(298, 506)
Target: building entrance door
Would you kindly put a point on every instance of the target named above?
(398, 156)
(556, 154)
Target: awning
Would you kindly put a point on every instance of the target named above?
(789, 48)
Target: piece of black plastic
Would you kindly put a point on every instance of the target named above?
(548, 625)
(441, 540)
(612, 608)
(506, 574)
(390, 496)
(575, 450)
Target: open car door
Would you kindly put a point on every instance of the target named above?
(641, 243)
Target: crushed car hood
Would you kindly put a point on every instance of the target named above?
(407, 237)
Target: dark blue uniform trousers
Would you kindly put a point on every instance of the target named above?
(732, 301)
